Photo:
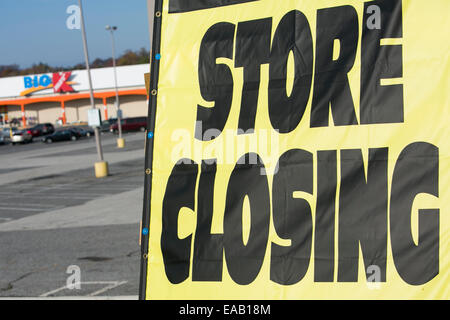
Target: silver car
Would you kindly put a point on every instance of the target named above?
(20, 136)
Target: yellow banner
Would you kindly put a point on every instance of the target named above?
(300, 151)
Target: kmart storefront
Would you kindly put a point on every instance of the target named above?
(64, 97)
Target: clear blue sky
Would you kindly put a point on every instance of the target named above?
(33, 31)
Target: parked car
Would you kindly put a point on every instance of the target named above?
(5, 135)
(82, 132)
(61, 135)
(20, 136)
(41, 130)
(106, 124)
(131, 124)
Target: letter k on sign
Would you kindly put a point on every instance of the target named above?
(59, 82)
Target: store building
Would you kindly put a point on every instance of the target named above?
(64, 97)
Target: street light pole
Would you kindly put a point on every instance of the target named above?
(120, 141)
(101, 167)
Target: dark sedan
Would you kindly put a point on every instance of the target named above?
(62, 135)
(106, 124)
(82, 132)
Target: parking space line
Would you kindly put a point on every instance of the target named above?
(91, 185)
(54, 291)
(62, 196)
(110, 285)
(35, 205)
(21, 209)
(102, 187)
(81, 195)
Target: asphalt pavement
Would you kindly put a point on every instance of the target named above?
(56, 216)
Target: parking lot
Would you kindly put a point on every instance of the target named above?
(54, 214)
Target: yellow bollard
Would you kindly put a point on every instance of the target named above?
(121, 143)
(101, 169)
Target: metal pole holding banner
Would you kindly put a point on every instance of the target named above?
(101, 167)
(120, 141)
(154, 8)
